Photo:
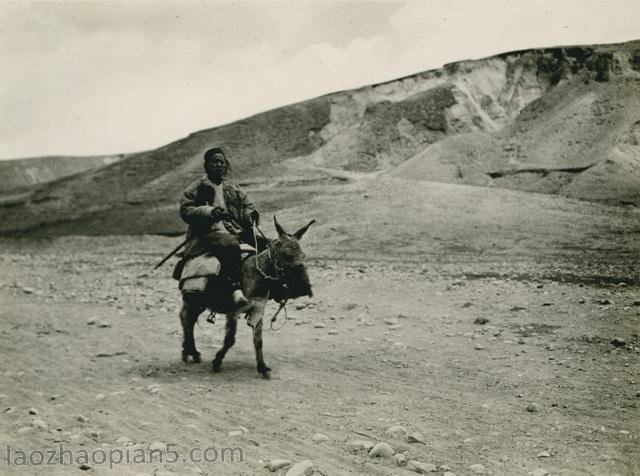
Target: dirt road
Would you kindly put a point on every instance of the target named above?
(505, 362)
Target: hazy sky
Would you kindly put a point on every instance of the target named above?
(87, 78)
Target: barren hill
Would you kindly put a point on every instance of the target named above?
(23, 173)
(561, 120)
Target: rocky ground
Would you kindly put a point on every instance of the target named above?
(466, 363)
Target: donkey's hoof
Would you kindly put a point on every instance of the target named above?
(215, 365)
(264, 371)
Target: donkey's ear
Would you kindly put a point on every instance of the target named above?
(298, 234)
(279, 229)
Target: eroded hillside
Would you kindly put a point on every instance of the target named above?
(562, 120)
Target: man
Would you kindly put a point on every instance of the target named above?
(213, 209)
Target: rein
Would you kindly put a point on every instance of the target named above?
(283, 303)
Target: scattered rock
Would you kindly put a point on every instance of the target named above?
(533, 408)
(517, 308)
(361, 444)
(304, 468)
(157, 445)
(235, 433)
(381, 450)
(416, 437)
(318, 325)
(277, 464)
(82, 419)
(478, 469)
(400, 459)
(481, 320)
(333, 332)
(603, 302)
(319, 438)
(391, 321)
(618, 342)
(478, 347)
(544, 454)
(39, 424)
(397, 431)
(84, 467)
(91, 321)
(539, 472)
(33, 411)
(636, 302)
(421, 468)
(100, 396)
(123, 440)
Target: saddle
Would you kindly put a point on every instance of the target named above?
(193, 275)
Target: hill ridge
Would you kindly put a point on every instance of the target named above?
(461, 123)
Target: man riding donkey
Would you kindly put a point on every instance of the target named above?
(220, 217)
(218, 214)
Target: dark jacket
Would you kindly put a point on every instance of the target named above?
(196, 207)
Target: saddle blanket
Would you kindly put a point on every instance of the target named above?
(197, 270)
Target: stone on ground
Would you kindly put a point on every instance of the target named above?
(277, 464)
(304, 468)
(381, 450)
(319, 438)
(421, 468)
(397, 431)
(478, 469)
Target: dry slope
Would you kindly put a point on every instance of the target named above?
(561, 120)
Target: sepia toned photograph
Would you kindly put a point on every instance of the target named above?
(300, 238)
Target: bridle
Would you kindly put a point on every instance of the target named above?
(279, 271)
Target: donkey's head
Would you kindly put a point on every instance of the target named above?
(288, 260)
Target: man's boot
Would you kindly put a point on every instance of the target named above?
(239, 299)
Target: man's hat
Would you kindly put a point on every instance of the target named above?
(213, 151)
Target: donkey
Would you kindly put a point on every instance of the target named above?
(278, 272)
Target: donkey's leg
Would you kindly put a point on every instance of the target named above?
(255, 320)
(229, 340)
(191, 309)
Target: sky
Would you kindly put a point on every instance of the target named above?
(94, 78)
